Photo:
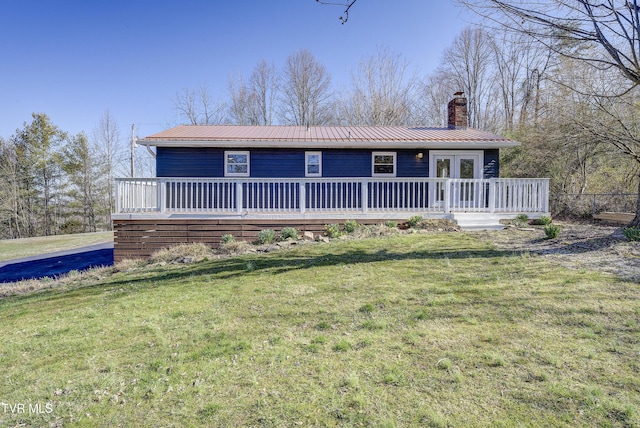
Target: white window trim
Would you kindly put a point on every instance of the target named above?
(478, 154)
(306, 164)
(236, 174)
(373, 164)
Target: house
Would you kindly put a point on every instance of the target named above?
(216, 179)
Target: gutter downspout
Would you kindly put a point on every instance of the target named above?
(151, 152)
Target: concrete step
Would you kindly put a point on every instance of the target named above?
(477, 221)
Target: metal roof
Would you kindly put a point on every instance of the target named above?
(324, 136)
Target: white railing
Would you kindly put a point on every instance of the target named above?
(136, 195)
(362, 195)
(187, 195)
(521, 195)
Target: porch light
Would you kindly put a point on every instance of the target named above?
(419, 155)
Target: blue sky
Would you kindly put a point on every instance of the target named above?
(74, 59)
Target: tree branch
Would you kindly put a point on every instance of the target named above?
(348, 5)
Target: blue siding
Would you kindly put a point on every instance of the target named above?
(358, 163)
(189, 162)
(409, 166)
(346, 163)
(289, 163)
(283, 163)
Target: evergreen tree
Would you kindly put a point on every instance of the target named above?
(39, 164)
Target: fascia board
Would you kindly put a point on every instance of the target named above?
(319, 145)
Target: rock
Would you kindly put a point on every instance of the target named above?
(308, 235)
(323, 239)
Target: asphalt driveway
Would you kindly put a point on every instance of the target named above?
(58, 263)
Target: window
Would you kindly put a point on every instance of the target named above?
(236, 164)
(313, 164)
(384, 164)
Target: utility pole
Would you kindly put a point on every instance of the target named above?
(133, 147)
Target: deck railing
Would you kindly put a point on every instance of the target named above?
(331, 195)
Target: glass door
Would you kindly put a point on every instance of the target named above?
(461, 166)
(466, 170)
(443, 169)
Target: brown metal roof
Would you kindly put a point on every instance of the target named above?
(326, 137)
(320, 134)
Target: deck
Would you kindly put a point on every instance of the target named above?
(323, 198)
(152, 213)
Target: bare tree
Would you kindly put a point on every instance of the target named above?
(469, 60)
(604, 34)
(502, 76)
(434, 92)
(306, 91)
(536, 60)
(197, 106)
(381, 92)
(516, 84)
(264, 84)
(240, 101)
(253, 103)
(108, 145)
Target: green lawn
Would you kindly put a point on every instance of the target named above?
(418, 330)
(14, 248)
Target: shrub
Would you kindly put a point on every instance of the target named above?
(444, 364)
(323, 325)
(266, 236)
(522, 218)
(391, 223)
(227, 238)
(552, 231)
(235, 247)
(366, 308)
(542, 221)
(332, 230)
(415, 220)
(350, 226)
(289, 232)
(194, 251)
(342, 346)
(632, 233)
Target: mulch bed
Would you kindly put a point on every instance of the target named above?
(579, 246)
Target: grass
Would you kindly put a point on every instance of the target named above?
(424, 330)
(15, 248)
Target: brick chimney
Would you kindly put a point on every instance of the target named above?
(457, 112)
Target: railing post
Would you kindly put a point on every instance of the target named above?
(493, 183)
(162, 195)
(302, 197)
(447, 196)
(546, 195)
(364, 196)
(239, 197)
(116, 195)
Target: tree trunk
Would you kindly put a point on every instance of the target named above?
(636, 220)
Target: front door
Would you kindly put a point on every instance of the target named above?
(456, 165)
(443, 169)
